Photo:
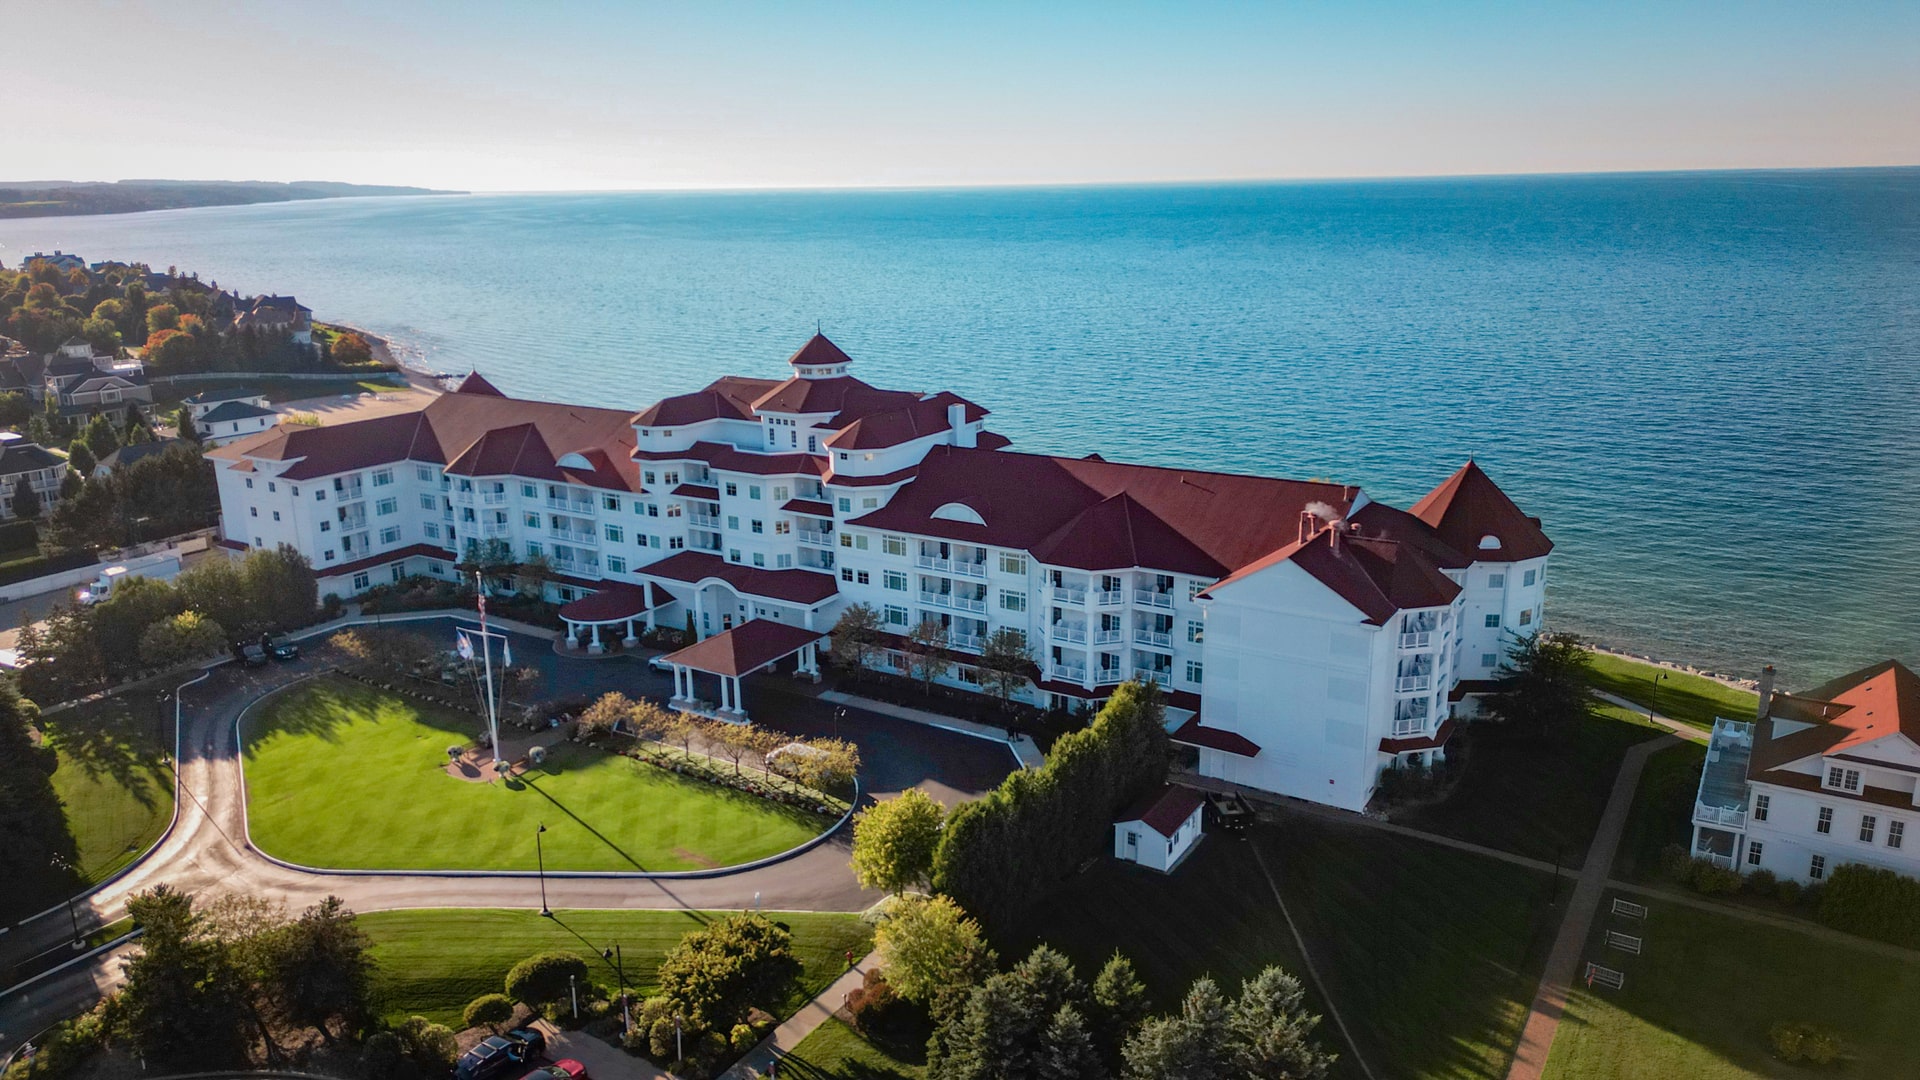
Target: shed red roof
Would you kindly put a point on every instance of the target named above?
(385, 558)
(809, 507)
(1468, 507)
(792, 586)
(1165, 810)
(746, 648)
(1232, 742)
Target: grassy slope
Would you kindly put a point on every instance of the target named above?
(1662, 811)
(1431, 954)
(837, 1052)
(116, 794)
(331, 766)
(432, 962)
(1562, 780)
(1681, 696)
(1699, 1000)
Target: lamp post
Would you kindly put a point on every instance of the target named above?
(539, 853)
(1655, 691)
(61, 863)
(620, 968)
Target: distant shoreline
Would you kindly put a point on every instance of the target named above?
(60, 198)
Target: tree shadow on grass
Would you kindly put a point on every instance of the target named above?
(322, 707)
(108, 743)
(527, 779)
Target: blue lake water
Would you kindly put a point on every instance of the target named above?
(1707, 384)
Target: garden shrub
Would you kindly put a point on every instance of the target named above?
(1801, 1043)
(874, 1008)
(544, 976)
(1787, 892)
(488, 1010)
(1872, 902)
(1761, 883)
(742, 1039)
(66, 1047)
(720, 971)
(1708, 879)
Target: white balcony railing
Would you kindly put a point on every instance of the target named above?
(571, 536)
(1410, 727)
(1149, 598)
(494, 498)
(704, 521)
(814, 538)
(928, 562)
(1418, 639)
(571, 506)
(1073, 673)
(963, 568)
(965, 642)
(1153, 638)
(1109, 637)
(1069, 595)
(1164, 678)
(1408, 683)
(1732, 816)
(1061, 631)
(953, 602)
(1109, 676)
(463, 497)
(1110, 597)
(1725, 862)
(497, 528)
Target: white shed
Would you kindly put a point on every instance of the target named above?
(1158, 831)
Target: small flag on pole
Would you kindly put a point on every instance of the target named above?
(506, 652)
(465, 646)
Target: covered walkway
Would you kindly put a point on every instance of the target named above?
(613, 604)
(732, 656)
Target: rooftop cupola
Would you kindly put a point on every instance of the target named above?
(820, 359)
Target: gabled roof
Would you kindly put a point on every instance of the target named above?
(921, 417)
(1192, 733)
(127, 455)
(19, 455)
(1165, 810)
(1847, 713)
(746, 648)
(1378, 577)
(818, 352)
(1468, 506)
(474, 383)
(729, 397)
(612, 601)
(1178, 520)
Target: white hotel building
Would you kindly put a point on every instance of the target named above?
(1306, 635)
(1822, 778)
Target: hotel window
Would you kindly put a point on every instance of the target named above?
(733, 555)
(1526, 617)
(253, 511)
(423, 474)
(390, 535)
(753, 491)
(653, 510)
(386, 506)
(1530, 578)
(361, 581)
(616, 565)
(257, 543)
(673, 511)
(782, 527)
(759, 559)
(532, 520)
(893, 545)
(318, 496)
(648, 477)
(1825, 824)
(783, 562)
(675, 543)
(276, 515)
(427, 503)
(1493, 620)
(616, 534)
(1012, 562)
(1195, 588)
(1488, 659)
(326, 526)
(329, 557)
(1013, 600)
(896, 616)
(846, 505)
(1196, 631)
(1753, 853)
(399, 571)
(1817, 868)
(294, 489)
(1760, 805)
(732, 489)
(435, 568)
(671, 477)
(653, 541)
(860, 543)
(1844, 779)
(846, 573)
(846, 540)
(757, 526)
(780, 494)
(610, 502)
(1193, 671)
(895, 580)
(250, 484)
(1868, 823)
(813, 444)
(270, 486)
(733, 522)
(433, 531)
(1896, 832)
(382, 477)
(1496, 581)
(870, 502)
(861, 577)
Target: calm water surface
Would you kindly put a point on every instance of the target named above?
(1707, 384)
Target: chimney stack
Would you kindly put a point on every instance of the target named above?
(963, 434)
(1307, 524)
(1766, 692)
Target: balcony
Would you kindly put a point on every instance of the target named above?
(963, 568)
(1073, 673)
(814, 538)
(578, 567)
(1109, 676)
(1410, 727)
(1153, 639)
(497, 528)
(463, 497)
(571, 506)
(571, 536)
(1732, 817)
(349, 492)
(1069, 595)
(1164, 678)
(1061, 631)
(493, 498)
(704, 521)
(1407, 684)
(965, 642)
(1149, 598)
(952, 602)
(1109, 637)
(1418, 639)
(1110, 597)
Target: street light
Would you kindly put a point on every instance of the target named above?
(540, 853)
(61, 863)
(620, 967)
(1655, 691)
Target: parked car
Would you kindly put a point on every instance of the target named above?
(284, 651)
(528, 1044)
(659, 663)
(489, 1059)
(564, 1069)
(250, 654)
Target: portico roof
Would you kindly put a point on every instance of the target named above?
(1419, 742)
(1231, 742)
(746, 648)
(615, 601)
(805, 587)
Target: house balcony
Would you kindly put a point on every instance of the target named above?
(1726, 817)
(1153, 639)
(1725, 862)
(463, 497)
(1151, 599)
(1410, 727)
(965, 642)
(1110, 597)
(954, 567)
(705, 542)
(493, 498)
(578, 567)
(352, 523)
(814, 538)
(1164, 678)
(1062, 631)
(1109, 637)
(571, 506)
(704, 521)
(1111, 676)
(571, 536)
(1418, 639)
(1407, 684)
(1073, 673)
(1067, 594)
(349, 492)
(497, 528)
(952, 602)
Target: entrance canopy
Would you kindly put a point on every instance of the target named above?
(612, 604)
(735, 654)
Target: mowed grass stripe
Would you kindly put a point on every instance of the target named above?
(342, 775)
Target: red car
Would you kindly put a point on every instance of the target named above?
(564, 1069)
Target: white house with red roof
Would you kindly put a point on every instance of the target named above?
(1305, 635)
(1822, 778)
(1161, 828)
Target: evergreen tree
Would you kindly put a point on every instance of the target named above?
(80, 459)
(183, 1007)
(1545, 684)
(101, 436)
(26, 501)
(1024, 1024)
(1263, 1035)
(32, 826)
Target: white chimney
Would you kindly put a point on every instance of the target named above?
(963, 433)
(1766, 691)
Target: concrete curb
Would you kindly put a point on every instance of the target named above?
(82, 958)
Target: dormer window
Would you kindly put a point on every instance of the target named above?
(1843, 779)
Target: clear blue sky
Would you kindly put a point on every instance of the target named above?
(574, 95)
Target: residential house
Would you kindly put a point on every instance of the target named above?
(278, 315)
(42, 468)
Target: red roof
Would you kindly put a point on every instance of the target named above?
(1232, 742)
(729, 397)
(792, 586)
(917, 418)
(328, 570)
(1848, 712)
(746, 648)
(1420, 742)
(1379, 577)
(809, 507)
(1468, 507)
(1099, 515)
(818, 352)
(1165, 810)
(613, 601)
(475, 384)
(698, 491)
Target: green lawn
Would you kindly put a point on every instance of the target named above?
(837, 1052)
(1680, 696)
(1431, 954)
(275, 390)
(432, 962)
(341, 775)
(1699, 1000)
(1562, 780)
(1662, 811)
(114, 788)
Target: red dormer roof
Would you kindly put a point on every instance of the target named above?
(917, 419)
(1846, 713)
(475, 384)
(1378, 577)
(1468, 507)
(819, 352)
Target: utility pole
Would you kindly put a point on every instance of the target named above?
(486, 652)
(540, 854)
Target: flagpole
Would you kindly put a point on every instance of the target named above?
(486, 651)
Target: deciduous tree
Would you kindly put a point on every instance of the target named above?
(928, 947)
(856, 635)
(186, 636)
(927, 652)
(894, 841)
(1005, 663)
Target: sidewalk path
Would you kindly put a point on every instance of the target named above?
(1550, 1000)
(811, 1015)
(1690, 732)
(1023, 747)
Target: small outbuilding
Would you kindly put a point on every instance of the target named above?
(1159, 830)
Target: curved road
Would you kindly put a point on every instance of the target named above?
(206, 854)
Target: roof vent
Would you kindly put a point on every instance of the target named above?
(1489, 542)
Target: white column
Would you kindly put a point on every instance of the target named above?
(725, 703)
(699, 615)
(808, 621)
(738, 706)
(596, 647)
(630, 641)
(573, 635)
(650, 623)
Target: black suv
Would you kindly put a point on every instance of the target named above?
(497, 1055)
